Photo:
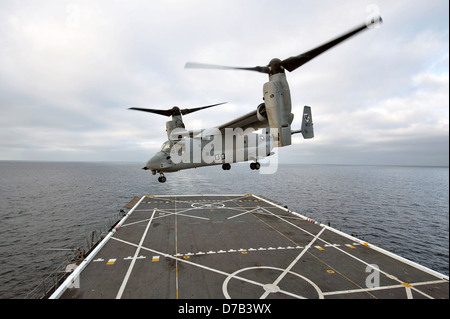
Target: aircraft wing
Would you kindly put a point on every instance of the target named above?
(244, 122)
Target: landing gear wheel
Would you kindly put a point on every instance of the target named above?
(162, 179)
(255, 165)
(226, 166)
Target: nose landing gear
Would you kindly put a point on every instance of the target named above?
(161, 178)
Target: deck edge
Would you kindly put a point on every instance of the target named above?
(70, 280)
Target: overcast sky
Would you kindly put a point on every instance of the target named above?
(70, 69)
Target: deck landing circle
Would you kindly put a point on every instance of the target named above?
(274, 287)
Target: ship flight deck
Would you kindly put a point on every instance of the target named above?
(239, 246)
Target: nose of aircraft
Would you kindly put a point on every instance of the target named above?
(154, 162)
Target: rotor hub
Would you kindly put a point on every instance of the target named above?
(275, 66)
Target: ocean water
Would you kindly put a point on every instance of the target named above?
(56, 205)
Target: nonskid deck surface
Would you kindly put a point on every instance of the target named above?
(240, 246)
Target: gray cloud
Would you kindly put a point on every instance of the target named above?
(70, 71)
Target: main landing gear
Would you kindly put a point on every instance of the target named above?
(161, 178)
(255, 165)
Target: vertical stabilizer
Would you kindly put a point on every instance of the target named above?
(307, 123)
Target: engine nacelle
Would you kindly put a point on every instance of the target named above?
(278, 107)
(175, 129)
(261, 113)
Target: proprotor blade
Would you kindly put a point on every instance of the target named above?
(193, 65)
(174, 111)
(168, 112)
(294, 62)
(187, 111)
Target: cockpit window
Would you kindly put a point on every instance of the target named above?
(167, 145)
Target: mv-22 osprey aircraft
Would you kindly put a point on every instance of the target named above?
(236, 141)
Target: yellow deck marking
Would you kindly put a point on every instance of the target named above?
(111, 262)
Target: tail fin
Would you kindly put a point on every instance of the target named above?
(307, 123)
